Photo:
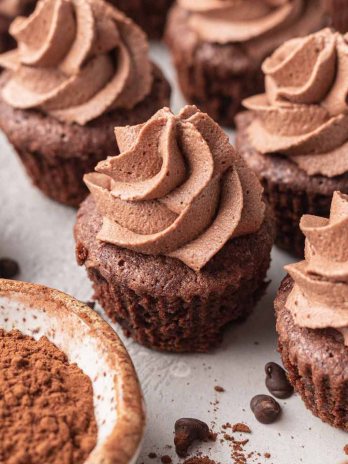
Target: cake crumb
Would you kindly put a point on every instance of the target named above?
(267, 455)
(152, 455)
(240, 427)
(199, 460)
(219, 389)
(345, 449)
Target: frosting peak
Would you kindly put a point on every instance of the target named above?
(240, 21)
(177, 189)
(304, 112)
(76, 59)
(319, 298)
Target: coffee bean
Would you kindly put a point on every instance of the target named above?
(277, 381)
(265, 408)
(188, 430)
(8, 268)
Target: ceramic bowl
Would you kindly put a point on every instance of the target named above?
(91, 343)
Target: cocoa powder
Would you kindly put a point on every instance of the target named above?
(46, 404)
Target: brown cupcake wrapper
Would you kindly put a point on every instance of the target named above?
(221, 98)
(289, 206)
(325, 399)
(149, 14)
(178, 325)
(59, 178)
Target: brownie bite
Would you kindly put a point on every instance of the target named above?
(294, 136)
(218, 47)
(175, 236)
(312, 322)
(62, 96)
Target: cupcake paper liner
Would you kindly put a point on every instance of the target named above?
(161, 302)
(149, 14)
(289, 206)
(177, 325)
(59, 178)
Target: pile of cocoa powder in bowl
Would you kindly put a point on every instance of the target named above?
(46, 404)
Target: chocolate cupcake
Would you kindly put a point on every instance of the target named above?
(175, 235)
(218, 46)
(149, 14)
(9, 9)
(295, 137)
(312, 316)
(80, 68)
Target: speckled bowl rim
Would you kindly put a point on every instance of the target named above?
(123, 444)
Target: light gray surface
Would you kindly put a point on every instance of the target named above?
(38, 233)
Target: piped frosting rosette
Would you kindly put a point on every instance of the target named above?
(319, 298)
(76, 59)
(304, 112)
(224, 21)
(178, 189)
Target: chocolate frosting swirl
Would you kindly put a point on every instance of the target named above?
(76, 59)
(304, 112)
(178, 189)
(319, 298)
(261, 25)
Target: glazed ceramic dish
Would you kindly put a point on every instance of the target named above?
(89, 342)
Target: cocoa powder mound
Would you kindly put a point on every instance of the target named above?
(46, 404)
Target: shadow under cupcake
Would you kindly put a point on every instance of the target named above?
(79, 69)
(312, 316)
(175, 235)
(295, 136)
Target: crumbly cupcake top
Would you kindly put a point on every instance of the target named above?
(319, 298)
(76, 59)
(261, 24)
(304, 112)
(178, 189)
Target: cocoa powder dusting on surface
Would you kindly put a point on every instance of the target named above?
(46, 404)
(199, 460)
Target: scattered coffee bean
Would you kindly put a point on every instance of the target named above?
(187, 431)
(166, 459)
(265, 408)
(8, 268)
(277, 381)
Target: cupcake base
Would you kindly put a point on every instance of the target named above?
(161, 302)
(56, 155)
(289, 190)
(316, 362)
(214, 77)
(149, 14)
